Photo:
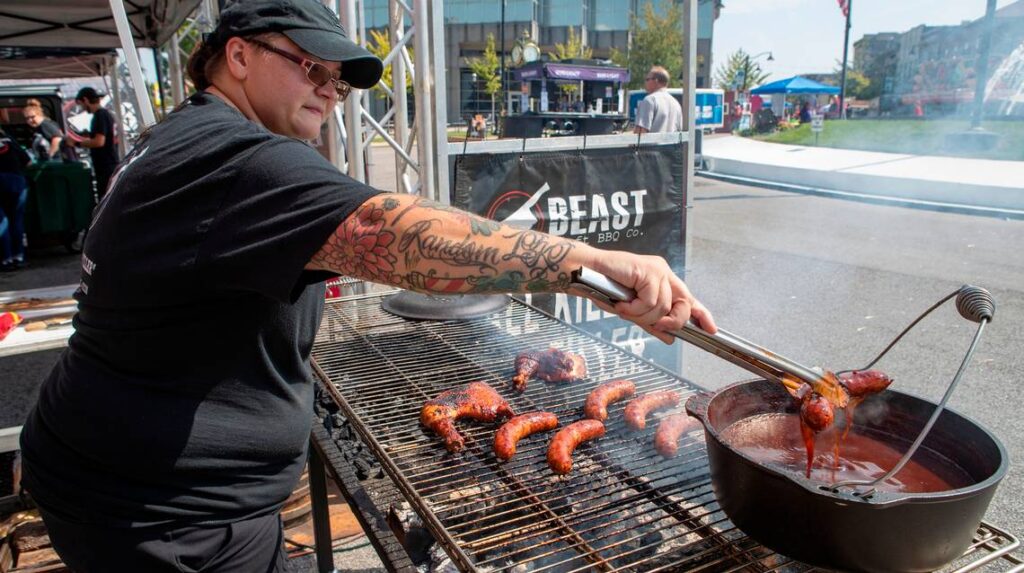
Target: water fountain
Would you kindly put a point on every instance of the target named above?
(1005, 89)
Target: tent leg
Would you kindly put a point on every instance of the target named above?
(134, 68)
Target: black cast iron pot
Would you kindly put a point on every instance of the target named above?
(805, 520)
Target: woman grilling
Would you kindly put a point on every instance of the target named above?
(176, 423)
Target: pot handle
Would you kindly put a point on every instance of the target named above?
(697, 406)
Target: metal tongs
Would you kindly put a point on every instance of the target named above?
(726, 345)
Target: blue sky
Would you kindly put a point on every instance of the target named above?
(806, 36)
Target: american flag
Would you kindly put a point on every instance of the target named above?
(844, 5)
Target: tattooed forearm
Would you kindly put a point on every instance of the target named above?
(420, 240)
(421, 245)
(539, 252)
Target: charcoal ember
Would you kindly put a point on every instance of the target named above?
(469, 501)
(440, 562)
(411, 533)
(338, 420)
(362, 468)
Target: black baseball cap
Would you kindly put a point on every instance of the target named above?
(89, 93)
(308, 23)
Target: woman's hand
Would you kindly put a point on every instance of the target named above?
(663, 302)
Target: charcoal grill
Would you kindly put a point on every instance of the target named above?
(623, 507)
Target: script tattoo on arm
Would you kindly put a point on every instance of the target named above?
(418, 244)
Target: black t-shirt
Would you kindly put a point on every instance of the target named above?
(13, 158)
(45, 133)
(103, 122)
(185, 394)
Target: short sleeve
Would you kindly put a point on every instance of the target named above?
(645, 114)
(50, 130)
(284, 204)
(100, 124)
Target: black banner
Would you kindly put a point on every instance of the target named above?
(629, 199)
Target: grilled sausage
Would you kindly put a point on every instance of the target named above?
(567, 439)
(596, 406)
(816, 411)
(509, 434)
(860, 383)
(666, 437)
(636, 411)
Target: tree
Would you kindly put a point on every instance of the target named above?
(572, 48)
(740, 72)
(858, 85)
(657, 41)
(488, 70)
(381, 47)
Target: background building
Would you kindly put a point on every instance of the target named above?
(603, 25)
(934, 66)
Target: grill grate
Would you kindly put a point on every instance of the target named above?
(623, 507)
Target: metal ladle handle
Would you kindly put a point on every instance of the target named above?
(973, 303)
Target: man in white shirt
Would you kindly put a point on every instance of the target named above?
(659, 111)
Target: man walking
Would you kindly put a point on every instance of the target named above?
(659, 111)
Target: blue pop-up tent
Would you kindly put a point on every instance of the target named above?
(795, 85)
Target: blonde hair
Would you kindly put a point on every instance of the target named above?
(35, 105)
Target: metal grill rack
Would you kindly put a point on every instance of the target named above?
(622, 508)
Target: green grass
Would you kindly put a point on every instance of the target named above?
(916, 137)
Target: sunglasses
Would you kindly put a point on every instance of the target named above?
(317, 74)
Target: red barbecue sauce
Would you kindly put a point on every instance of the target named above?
(779, 440)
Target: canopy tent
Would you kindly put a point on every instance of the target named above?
(88, 23)
(47, 63)
(96, 24)
(795, 85)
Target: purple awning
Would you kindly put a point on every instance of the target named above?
(557, 71)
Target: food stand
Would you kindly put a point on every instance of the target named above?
(596, 109)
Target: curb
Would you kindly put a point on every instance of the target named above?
(959, 208)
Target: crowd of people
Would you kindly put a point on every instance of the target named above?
(48, 143)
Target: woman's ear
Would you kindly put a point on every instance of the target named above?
(237, 57)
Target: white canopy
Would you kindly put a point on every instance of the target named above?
(88, 23)
(44, 63)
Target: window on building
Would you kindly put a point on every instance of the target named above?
(563, 12)
(609, 15)
(473, 99)
(488, 11)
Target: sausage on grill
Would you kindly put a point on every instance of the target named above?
(666, 437)
(636, 411)
(509, 434)
(860, 383)
(596, 406)
(567, 439)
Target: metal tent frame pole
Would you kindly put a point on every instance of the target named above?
(124, 32)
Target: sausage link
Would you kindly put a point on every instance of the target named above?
(816, 411)
(637, 410)
(509, 434)
(596, 406)
(666, 437)
(567, 439)
(860, 383)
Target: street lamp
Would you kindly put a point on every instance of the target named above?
(742, 79)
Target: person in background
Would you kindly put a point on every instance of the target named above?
(659, 111)
(100, 142)
(48, 135)
(13, 193)
(181, 409)
(805, 113)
